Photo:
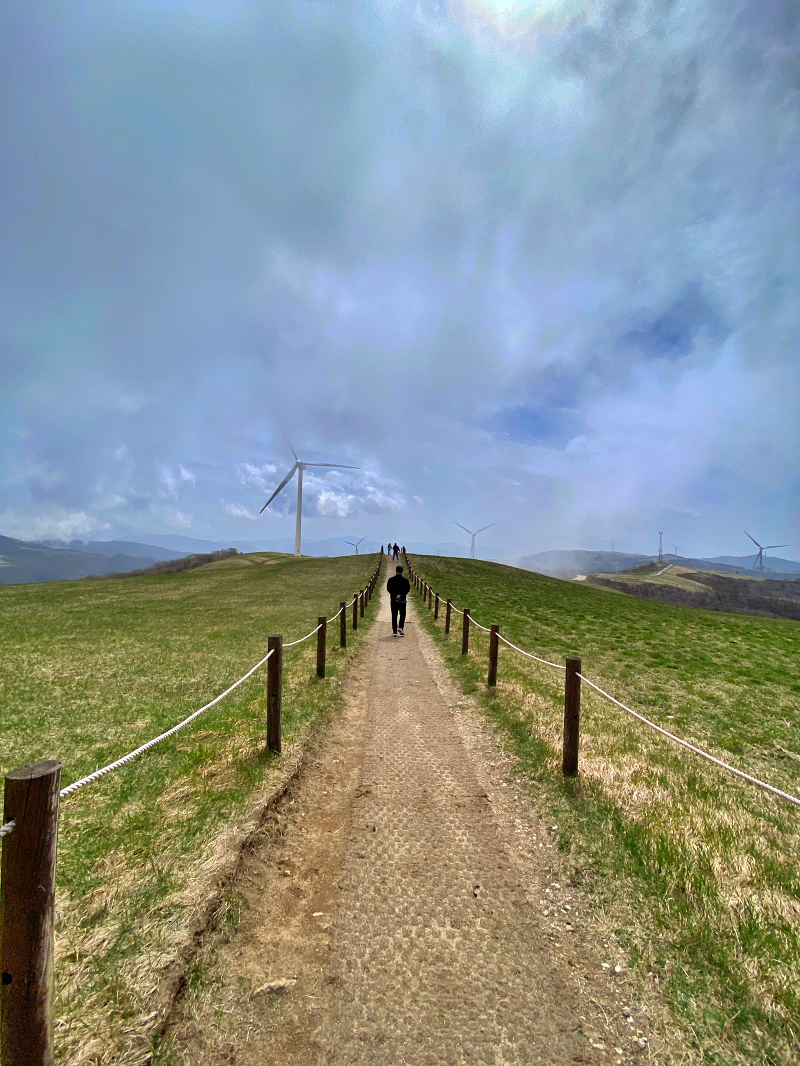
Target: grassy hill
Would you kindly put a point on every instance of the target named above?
(739, 593)
(93, 669)
(693, 870)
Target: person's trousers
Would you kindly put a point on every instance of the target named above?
(398, 615)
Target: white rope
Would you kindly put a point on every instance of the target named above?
(547, 662)
(9, 827)
(300, 641)
(156, 740)
(479, 625)
(456, 609)
(691, 747)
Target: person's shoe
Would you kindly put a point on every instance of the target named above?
(400, 631)
(394, 634)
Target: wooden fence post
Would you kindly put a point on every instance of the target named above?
(436, 607)
(494, 647)
(355, 611)
(361, 603)
(447, 616)
(430, 597)
(26, 914)
(343, 625)
(465, 632)
(572, 717)
(274, 692)
(322, 636)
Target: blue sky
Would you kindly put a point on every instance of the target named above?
(530, 263)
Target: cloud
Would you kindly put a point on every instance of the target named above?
(262, 477)
(53, 526)
(236, 510)
(168, 479)
(335, 503)
(177, 519)
(542, 267)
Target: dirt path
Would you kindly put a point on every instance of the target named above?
(404, 904)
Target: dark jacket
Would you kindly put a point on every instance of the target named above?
(398, 587)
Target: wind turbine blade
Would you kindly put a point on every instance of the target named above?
(339, 466)
(285, 481)
(464, 528)
(288, 441)
(753, 539)
(477, 531)
(768, 546)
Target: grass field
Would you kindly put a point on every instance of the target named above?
(92, 669)
(696, 872)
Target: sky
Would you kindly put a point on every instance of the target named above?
(529, 262)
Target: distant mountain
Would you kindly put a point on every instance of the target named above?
(572, 563)
(130, 548)
(745, 562)
(22, 562)
(568, 564)
(331, 546)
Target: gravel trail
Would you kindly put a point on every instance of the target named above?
(403, 905)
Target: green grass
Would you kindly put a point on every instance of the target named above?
(93, 669)
(696, 869)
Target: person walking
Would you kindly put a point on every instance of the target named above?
(398, 588)
(396, 550)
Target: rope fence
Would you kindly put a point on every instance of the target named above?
(29, 837)
(696, 750)
(572, 696)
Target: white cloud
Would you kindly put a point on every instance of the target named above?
(236, 510)
(56, 526)
(177, 519)
(167, 478)
(186, 475)
(336, 504)
(259, 477)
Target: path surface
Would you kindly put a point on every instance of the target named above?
(403, 905)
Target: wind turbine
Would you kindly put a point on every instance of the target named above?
(473, 535)
(299, 467)
(760, 557)
(355, 543)
(677, 548)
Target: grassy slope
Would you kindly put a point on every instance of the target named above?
(93, 669)
(698, 868)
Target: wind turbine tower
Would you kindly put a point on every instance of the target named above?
(473, 535)
(299, 467)
(677, 548)
(767, 547)
(355, 543)
(660, 546)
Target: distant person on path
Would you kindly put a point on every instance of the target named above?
(396, 550)
(398, 588)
